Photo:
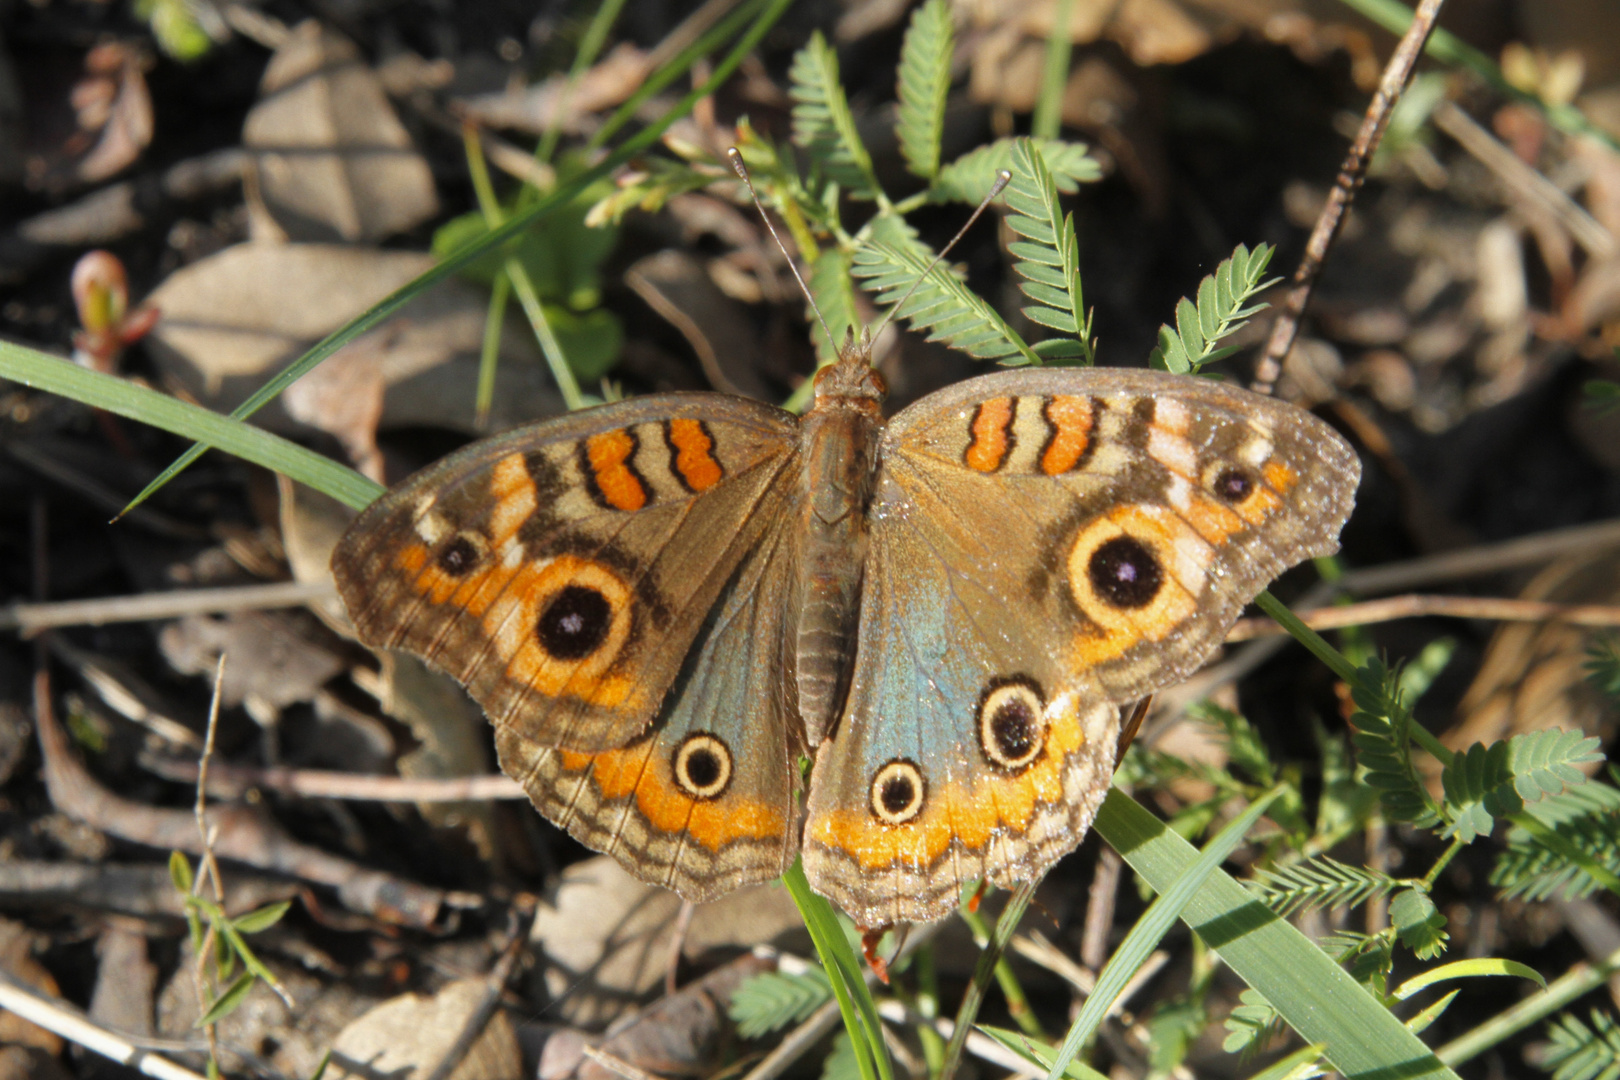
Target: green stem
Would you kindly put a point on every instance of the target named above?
(589, 47)
(1018, 1006)
(494, 218)
(1576, 982)
(1440, 864)
(968, 1011)
(1048, 117)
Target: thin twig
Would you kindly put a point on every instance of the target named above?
(32, 618)
(207, 870)
(1415, 605)
(1100, 909)
(232, 781)
(68, 1023)
(616, 1065)
(1396, 74)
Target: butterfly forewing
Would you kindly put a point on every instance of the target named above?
(562, 571)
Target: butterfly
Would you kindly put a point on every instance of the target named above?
(664, 603)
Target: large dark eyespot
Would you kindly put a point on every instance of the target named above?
(574, 623)
(1012, 723)
(897, 792)
(1234, 485)
(457, 557)
(1124, 573)
(702, 765)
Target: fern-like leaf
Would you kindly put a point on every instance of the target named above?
(1578, 1052)
(1220, 311)
(1418, 923)
(1319, 882)
(1584, 818)
(1251, 1024)
(823, 126)
(1383, 737)
(1544, 762)
(923, 82)
(1603, 666)
(1048, 256)
(1488, 782)
(773, 1000)
(894, 260)
(970, 177)
(834, 291)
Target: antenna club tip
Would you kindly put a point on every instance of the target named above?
(734, 156)
(1003, 178)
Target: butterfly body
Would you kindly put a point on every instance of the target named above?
(663, 603)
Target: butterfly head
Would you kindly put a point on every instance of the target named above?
(851, 380)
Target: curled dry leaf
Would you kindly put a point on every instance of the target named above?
(330, 158)
(233, 318)
(114, 112)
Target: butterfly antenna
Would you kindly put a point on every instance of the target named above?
(735, 157)
(1003, 178)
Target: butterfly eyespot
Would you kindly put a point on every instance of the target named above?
(574, 623)
(457, 557)
(702, 766)
(898, 792)
(1012, 723)
(1233, 485)
(1125, 573)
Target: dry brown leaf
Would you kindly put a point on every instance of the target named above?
(406, 1037)
(680, 1034)
(113, 102)
(330, 158)
(232, 319)
(606, 937)
(272, 662)
(344, 398)
(614, 78)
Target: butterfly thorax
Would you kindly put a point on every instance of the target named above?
(840, 435)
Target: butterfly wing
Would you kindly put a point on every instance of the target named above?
(562, 571)
(1044, 547)
(613, 588)
(706, 800)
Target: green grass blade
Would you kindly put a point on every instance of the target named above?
(843, 970)
(562, 196)
(607, 13)
(1150, 930)
(1361, 1038)
(51, 373)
